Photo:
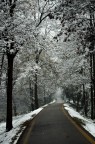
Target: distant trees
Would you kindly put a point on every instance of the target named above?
(37, 64)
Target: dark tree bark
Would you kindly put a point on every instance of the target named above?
(44, 95)
(37, 53)
(9, 92)
(94, 85)
(91, 86)
(36, 92)
(10, 59)
(91, 48)
(14, 107)
(77, 106)
(84, 101)
(31, 96)
(1, 67)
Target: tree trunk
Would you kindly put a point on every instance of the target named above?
(91, 74)
(84, 101)
(33, 100)
(94, 85)
(36, 92)
(2, 62)
(91, 48)
(9, 92)
(31, 96)
(37, 55)
(14, 107)
(77, 105)
(44, 96)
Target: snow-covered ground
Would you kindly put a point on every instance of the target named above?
(13, 135)
(88, 124)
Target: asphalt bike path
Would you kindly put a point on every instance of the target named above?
(52, 126)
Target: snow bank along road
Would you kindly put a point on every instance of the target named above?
(51, 126)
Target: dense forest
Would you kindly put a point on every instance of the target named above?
(46, 44)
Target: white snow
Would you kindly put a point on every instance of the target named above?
(12, 51)
(88, 124)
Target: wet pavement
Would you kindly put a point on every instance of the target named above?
(53, 127)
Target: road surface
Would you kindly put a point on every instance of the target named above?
(52, 126)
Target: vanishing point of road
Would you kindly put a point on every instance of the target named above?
(52, 126)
